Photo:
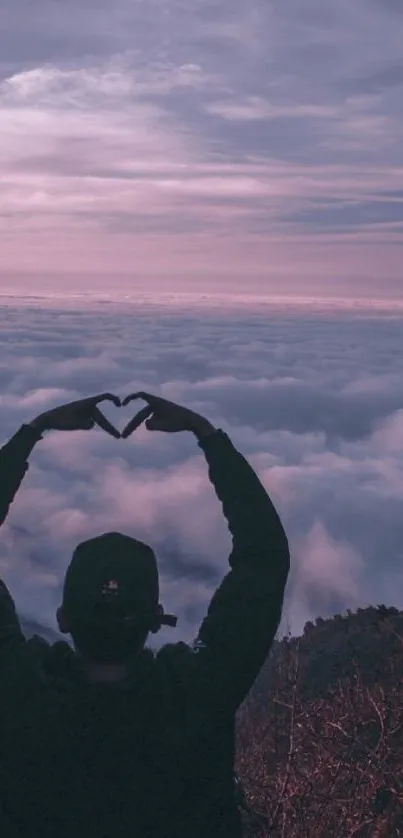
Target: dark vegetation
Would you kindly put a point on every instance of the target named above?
(320, 736)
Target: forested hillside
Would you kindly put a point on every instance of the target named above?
(320, 736)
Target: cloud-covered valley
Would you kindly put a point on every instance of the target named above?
(313, 398)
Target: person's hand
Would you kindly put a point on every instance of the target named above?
(164, 416)
(80, 415)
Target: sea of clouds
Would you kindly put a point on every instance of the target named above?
(311, 394)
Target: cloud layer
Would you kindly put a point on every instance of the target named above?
(190, 138)
(313, 398)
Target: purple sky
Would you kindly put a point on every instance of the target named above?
(196, 145)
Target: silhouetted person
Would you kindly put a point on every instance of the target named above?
(112, 739)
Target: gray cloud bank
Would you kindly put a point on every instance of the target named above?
(314, 399)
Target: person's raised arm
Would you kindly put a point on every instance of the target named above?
(14, 464)
(73, 416)
(245, 611)
(13, 467)
(78, 415)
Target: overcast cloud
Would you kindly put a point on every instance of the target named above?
(312, 397)
(164, 141)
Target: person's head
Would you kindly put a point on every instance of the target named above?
(110, 599)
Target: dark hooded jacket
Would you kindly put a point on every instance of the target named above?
(151, 756)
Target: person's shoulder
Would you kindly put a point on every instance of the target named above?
(53, 661)
(36, 643)
(21, 668)
(179, 657)
(180, 650)
(172, 652)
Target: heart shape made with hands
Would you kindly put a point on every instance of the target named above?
(103, 422)
(83, 414)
